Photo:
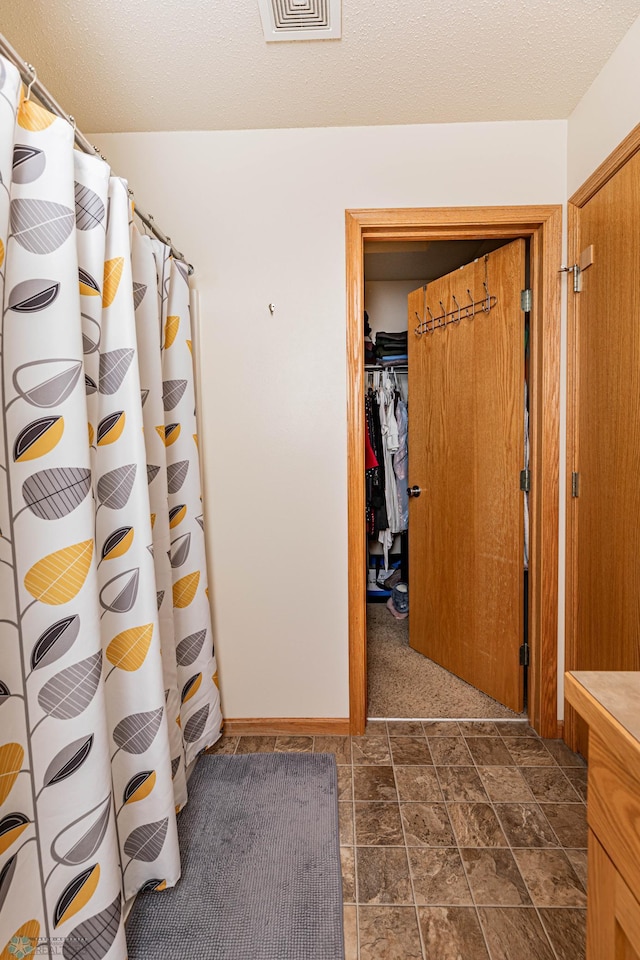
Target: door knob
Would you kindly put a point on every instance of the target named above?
(414, 491)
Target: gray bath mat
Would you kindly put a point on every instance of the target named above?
(261, 873)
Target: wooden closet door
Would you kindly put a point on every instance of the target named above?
(604, 519)
(466, 451)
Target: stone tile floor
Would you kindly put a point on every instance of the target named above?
(459, 840)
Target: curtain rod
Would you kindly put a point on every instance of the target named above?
(29, 76)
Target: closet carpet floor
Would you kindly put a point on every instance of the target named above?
(459, 841)
(403, 683)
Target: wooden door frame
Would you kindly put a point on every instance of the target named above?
(543, 226)
(616, 160)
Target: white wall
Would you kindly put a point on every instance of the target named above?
(386, 303)
(261, 215)
(609, 110)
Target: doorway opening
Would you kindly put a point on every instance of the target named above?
(471, 227)
(418, 672)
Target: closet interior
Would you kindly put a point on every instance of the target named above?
(402, 683)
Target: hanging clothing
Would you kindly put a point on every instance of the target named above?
(103, 702)
(401, 462)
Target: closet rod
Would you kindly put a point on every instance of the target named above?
(29, 76)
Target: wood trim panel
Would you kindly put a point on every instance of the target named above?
(356, 501)
(543, 225)
(608, 168)
(286, 726)
(572, 503)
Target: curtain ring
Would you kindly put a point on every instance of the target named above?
(72, 121)
(31, 70)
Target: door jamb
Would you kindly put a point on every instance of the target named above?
(543, 225)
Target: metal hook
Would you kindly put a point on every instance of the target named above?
(453, 297)
(487, 304)
(431, 328)
(31, 70)
(72, 121)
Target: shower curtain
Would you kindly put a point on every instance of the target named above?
(108, 682)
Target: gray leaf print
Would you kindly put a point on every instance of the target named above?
(6, 876)
(55, 493)
(40, 226)
(176, 475)
(5, 693)
(152, 472)
(172, 393)
(159, 598)
(91, 334)
(139, 290)
(92, 939)
(55, 642)
(81, 839)
(28, 163)
(125, 592)
(68, 760)
(114, 487)
(90, 385)
(53, 390)
(189, 649)
(89, 208)
(33, 295)
(200, 520)
(175, 763)
(113, 368)
(136, 733)
(71, 691)
(146, 841)
(180, 550)
(194, 727)
(143, 396)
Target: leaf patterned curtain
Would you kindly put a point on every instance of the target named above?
(108, 683)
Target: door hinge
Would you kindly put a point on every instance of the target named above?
(575, 484)
(525, 480)
(526, 300)
(524, 655)
(577, 276)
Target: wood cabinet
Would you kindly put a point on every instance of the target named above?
(609, 702)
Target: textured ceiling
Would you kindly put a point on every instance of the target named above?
(130, 65)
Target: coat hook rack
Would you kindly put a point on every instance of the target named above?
(428, 324)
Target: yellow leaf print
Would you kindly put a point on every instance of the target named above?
(142, 787)
(163, 884)
(190, 345)
(11, 757)
(215, 679)
(177, 515)
(118, 543)
(30, 930)
(153, 520)
(91, 435)
(1, 253)
(171, 331)
(110, 428)
(31, 116)
(59, 577)
(191, 687)
(128, 649)
(184, 590)
(112, 275)
(77, 894)
(195, 440)
(171, 434)
(160, 431)
(38, 438)
(13, 825)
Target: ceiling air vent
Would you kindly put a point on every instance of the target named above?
(300, 19)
